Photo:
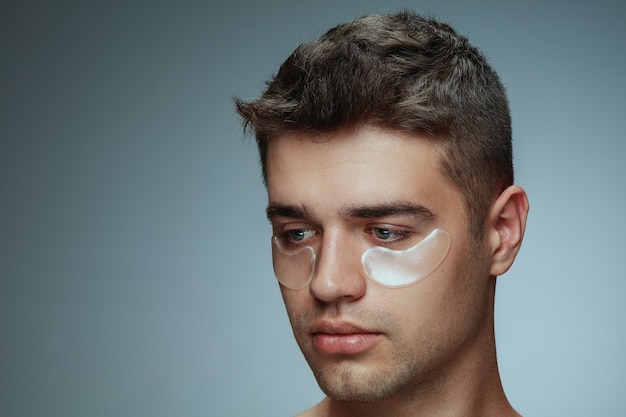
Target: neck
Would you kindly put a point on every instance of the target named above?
(473, 392)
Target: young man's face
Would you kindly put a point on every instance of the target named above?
(364, 341)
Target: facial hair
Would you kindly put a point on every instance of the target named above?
(347, 378)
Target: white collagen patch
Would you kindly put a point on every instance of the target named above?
(295, 270)
(398, 268)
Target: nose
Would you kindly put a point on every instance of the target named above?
(338, 274)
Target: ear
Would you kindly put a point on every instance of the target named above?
(505, 228)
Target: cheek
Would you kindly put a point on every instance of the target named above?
(419, 306)
(289, 298)
(439, 301)
(298, 304)
(462, 292)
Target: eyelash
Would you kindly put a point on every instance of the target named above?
(286, 237)
(305, 233)
(400, 235)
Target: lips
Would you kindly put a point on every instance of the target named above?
(343, 338)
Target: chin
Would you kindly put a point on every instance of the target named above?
(351, 393)
(352, 384)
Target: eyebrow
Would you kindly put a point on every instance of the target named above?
(389, 209)
(401, 208)
(286, 210)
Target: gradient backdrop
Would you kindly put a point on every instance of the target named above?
(135, 273)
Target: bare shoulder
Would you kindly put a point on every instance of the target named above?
(308, 413)
(315, 411)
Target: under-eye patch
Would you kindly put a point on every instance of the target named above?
(398, 268)
(295, 268)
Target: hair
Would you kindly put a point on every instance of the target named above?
(400, 71)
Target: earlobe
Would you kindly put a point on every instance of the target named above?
(506, 225)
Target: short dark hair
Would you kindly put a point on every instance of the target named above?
(400, 71)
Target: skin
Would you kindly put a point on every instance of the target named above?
(427, 349)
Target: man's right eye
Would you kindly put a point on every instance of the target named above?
(298, 235)
(293, 239)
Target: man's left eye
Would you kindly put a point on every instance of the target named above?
(388, 234)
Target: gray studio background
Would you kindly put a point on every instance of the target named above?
(135, 273)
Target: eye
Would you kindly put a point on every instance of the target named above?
(389, 235)
(294, 238)
(298, 235)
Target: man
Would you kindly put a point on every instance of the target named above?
(386, 150)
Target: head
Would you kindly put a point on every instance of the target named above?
(401, 72)
(381, 131)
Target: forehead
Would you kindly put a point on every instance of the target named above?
(365, 166)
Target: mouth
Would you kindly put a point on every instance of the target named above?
(343, 338)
